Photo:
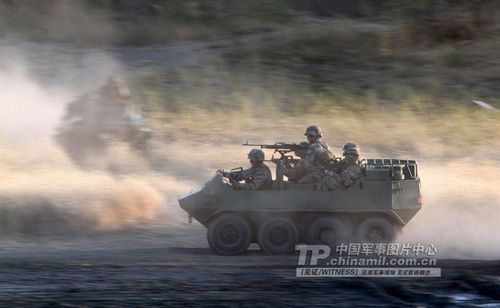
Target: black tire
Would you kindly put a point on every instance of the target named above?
(229, 235)
(278, 236)
(329, 231)
(376, 230)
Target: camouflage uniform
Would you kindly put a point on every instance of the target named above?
(298, 170)
(295, 173)
(340, 179)
(318, 155)
(256, 177)
(316, 162)
(347, 172)
(317, 158)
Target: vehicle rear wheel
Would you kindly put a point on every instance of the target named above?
(229, 234)
(278, 236)
(376, 230)
(329, 231)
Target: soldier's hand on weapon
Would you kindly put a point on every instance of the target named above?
(234, 184)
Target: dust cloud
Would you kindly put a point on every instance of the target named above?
(42, 192)
(27, 111)
(460, 215)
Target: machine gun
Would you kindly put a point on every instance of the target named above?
(282, 148)
(284, 160)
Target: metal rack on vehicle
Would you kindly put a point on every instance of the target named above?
(409, 166)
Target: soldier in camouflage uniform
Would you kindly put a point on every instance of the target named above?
(346, 173)
(256, 177)
(299, 170)
(318, 156)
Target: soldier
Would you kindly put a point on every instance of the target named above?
(256, 177)
(318, 156)
(299, 170)
(347, 172)
(350, 145)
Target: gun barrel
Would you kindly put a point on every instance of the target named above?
(278, 146)
(266, 146)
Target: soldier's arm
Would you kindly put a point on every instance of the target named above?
(327, 150)
(240, 175)
(299, 169)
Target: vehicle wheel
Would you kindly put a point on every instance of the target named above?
(376, 230)
(278, 236)
(229, 234)
(329, 231)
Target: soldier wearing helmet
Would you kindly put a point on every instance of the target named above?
(347, 172)
(318, 156)
(256, 177)
(298, 170)
(319, 153)
(350, 145)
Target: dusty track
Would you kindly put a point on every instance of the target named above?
(167, 264)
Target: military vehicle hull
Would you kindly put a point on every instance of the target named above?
(373, 209)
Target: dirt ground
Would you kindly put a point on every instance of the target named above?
(167, 264)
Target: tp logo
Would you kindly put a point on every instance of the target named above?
(317, 252)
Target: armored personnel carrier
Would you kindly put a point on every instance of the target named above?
(374, 209)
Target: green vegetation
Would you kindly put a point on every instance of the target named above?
(407, 71)
(120, 22)
(341, 63)
(355, 78)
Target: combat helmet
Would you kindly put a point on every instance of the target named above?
(352, 150)
(313, 130)
(350, 145)
(256, 155)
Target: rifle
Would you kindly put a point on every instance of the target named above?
(234, 175)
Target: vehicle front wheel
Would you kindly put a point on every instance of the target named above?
(376, 230)
(229, 234)
(278, 236)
